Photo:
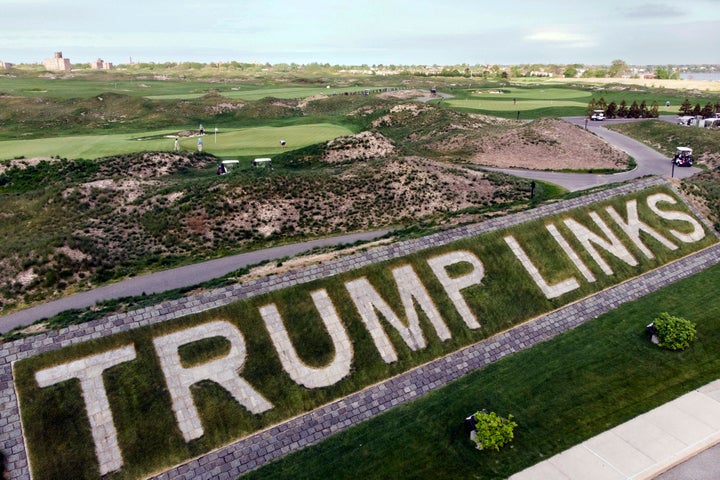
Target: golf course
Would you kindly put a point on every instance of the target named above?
(102, 179)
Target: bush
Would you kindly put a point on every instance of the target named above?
(674, 333)
(492, 431)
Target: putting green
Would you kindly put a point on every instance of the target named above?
(235, 142)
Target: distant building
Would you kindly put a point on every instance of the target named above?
(5, 65)
(101, 64)
(57, 63)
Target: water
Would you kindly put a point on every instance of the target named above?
(712, 76)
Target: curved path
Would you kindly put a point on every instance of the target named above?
(186, 276)
(649, 162)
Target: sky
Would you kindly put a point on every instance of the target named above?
(371, 32)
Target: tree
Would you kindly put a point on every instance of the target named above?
(707, 110)
(570, 72)
(654, 110)
(611, 111)
(696, 111)
(686, 108)
(618, 68)
(634, 111)
(643, 109)
(623, 110)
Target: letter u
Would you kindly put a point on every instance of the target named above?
(301, 373)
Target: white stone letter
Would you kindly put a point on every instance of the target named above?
(302, 374)
(453, 286)
(633, 227)
(587, 238)
(89, 371)
(697, 234)
(550, 291)
(367, 300)
(223, 371)
(572, 255)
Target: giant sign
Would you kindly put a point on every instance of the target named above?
(133, 403)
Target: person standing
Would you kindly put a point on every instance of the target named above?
(202, 130)
(176, 147)
(199, 144)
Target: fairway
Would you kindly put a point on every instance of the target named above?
(537, 102)
(255, 93)
(236, 142)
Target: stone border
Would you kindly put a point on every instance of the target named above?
(259, 448)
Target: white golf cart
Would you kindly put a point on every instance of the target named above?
(683, 157)
(598, 115)
(226, 166)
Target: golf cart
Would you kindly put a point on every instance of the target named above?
(226, 165)
(598, 115)
(683, 157)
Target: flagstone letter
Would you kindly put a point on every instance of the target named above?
(634, 226)
(571, 254)
(301, 373)
(550, 291)
(89, 371)
(368, 302)
(453, 285)
(696, 235)
(587, 238)
(223, 371)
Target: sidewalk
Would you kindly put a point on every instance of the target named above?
(645, 446)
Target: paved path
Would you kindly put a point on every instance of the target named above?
(174, 278)
(646, 446)
(649, 162)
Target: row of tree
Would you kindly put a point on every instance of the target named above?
(709, 110)
(622, 110)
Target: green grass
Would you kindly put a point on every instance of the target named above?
(560, 392)
(549, 101)
(257, 93)
(245, 142)
(173, 89)
(140, 402)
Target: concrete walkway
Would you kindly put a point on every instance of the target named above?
(644, 447)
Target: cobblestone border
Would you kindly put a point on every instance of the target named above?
(248, 453)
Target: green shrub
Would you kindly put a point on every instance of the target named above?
(674, 333)
(492, 431)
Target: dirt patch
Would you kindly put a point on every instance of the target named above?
(547, 144)
(363, 146)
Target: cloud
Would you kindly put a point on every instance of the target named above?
(561, 39)
(654, 10)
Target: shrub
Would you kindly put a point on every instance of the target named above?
(492, 431)
(674, 333)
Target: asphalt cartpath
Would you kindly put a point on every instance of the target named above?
(649, 162)
(186, 276)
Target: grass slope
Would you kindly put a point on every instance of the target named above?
(561, 392)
